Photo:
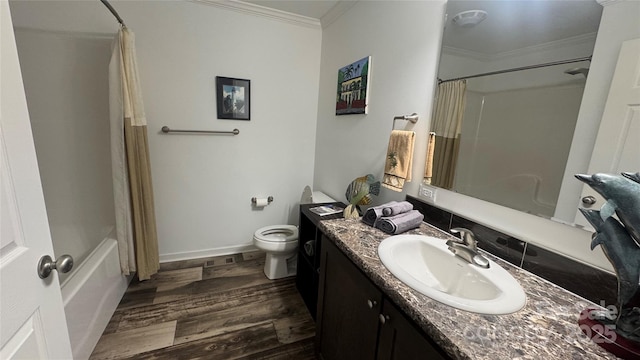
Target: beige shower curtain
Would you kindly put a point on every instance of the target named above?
(131, 168)
(447, 123)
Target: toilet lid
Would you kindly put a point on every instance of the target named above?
(277, 233)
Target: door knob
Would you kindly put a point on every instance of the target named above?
(63, 264)
(589, 200)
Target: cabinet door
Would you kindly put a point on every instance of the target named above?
(348, 309)
(401, 340)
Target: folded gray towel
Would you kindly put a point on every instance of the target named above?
(400, 223)
(397, 208)
(373, 213)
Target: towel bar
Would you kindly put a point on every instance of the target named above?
(413, 118)
(166, 130)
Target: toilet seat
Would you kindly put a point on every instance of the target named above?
(277, 233)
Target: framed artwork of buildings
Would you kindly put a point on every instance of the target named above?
(353, 88)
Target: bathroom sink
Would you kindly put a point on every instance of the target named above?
(425, 264)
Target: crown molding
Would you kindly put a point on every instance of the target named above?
(340, 8)
(262, 11)
(467, 53)
(557, 44)
(607, 2)
(552, 45)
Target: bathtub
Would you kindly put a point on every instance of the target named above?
(91, 294)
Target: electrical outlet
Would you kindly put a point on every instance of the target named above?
(428, 193)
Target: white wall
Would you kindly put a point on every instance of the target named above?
(203, 184)
(403, 39)
(66, 86)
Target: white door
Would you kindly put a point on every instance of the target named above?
(32, 319)
(617, 146)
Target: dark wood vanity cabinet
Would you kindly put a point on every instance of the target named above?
(355, 321)
(309, 246)
(348, 308)
(400, 339)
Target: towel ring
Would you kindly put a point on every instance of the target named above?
(413, 118)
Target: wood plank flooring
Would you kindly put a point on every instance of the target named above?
(215, 308)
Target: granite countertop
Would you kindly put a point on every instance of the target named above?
(546, 328)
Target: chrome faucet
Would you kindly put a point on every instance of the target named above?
(467, 248)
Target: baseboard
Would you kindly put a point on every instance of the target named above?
(188, 255)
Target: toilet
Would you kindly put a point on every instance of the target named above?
(280, 243)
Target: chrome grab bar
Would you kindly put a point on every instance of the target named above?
(167, 130)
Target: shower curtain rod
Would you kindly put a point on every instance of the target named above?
(113, 11)
(588, 58)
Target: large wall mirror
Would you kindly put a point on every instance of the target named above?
(512, 75)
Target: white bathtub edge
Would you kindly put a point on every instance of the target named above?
(91, 295)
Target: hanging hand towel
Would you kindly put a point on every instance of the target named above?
(428, 168)
(397, 169)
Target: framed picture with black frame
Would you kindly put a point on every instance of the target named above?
(233, 98)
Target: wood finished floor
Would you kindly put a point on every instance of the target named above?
(215, 308)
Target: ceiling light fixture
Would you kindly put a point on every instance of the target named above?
(469, 18)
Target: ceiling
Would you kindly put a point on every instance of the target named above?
(513, 25)
(528, 22)
(510, 24)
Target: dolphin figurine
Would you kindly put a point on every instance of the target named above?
(623, 198)
(620, 249)
(631, 176)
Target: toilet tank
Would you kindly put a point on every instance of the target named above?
(320, 197)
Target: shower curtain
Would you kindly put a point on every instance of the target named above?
(133, 190)
(447, 123)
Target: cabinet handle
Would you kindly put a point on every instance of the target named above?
(371, 303)
(383, 318)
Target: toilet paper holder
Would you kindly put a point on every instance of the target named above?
(254, 200)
